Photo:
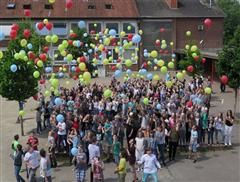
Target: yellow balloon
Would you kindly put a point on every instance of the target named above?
(128, 63)
(82, 66)
(64, 69)
(23, 42)
(140, 32)
(208, 90)
(194, 48)
(155, 68)
(45, 21)
(86, 76)
(51, 1)
(63, 53)
(180, 76)
(160, 63)
(48, 38)
(156, 77)
(122, 34)
(105, 62)
(154, 54)
(171, 65)
(187, 46)
(169, 84)
(164, 70)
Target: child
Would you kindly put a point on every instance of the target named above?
(116, 149)
(193, 144)
(121, 169)
(97, 168)
(15, 143)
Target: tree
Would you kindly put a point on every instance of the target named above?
(232, 9)
(20, 85)
(229, 63)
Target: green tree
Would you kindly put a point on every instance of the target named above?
(229, 63)
(20, 85)
(232, 10)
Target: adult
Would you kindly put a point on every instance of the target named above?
(193, 144)
(228, 128)
(219, 129)
(173, 142)
(15, 143)
(45, 167)
(39, 120)
(94, 151)
(160, 139)
(51, 144)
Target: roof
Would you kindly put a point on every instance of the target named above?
(121, 9)
(186, 9)
(207, 53)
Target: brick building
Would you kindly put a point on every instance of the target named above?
(175, 16)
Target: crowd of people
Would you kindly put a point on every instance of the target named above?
(93, 129)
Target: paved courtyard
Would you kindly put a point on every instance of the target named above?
(219, 165)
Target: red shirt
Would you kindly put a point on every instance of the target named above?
(75, 125)
(33, 141)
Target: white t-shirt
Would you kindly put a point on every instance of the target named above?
(32, 159)
(62, 128)
(45, 167)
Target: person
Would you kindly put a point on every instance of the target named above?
(32, 160)
(228, 128)
(51, 144)
(39, 120)
(94, 151)
(203, 124)
(33, 141)
(45, 167)
(121, 169)
(210, 130)
(108, 137)
(193, 144)
(222, 87)
(62, 136)
(116, 149)
(46, 116)
(80, 161)
(173, 142)
(17, 158)
(15, 143)
(219, 128)
(97, 169)
(150, 165)
(132, 158)
(160, 139)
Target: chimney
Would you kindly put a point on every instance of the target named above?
(173, 4)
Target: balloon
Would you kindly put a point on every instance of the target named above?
(13, 34)
(208, 90)
(69, 57)
(58, 101)
(164, 70)
(142, 71)
(42, 81)
(51, 1)
(23, 42)
(13, 68)
(194, 48)
(29, 46)
(180, 76)
(54, 39)
(47, 93)
(149, 76)
(122, 34)
(136, 39)
(40, 25)
(61, 75)
(107, 41)
(82, 66)
(154, 54)
(26, 33)
(162, 30)
(48, 38)
(129, 72)
(171, 65)
(81, 24)
(36, 74)
(224, 79)
(49, 26)
(40, 63)
(107, 93)
(208, 22)
(74, 151)
(190, 68)
(43, 57)
(21, 113)
(118, 73)
(86, 76)
(60, 118)
(145, 101)
(48, 69)
(188, 33)
(27, 12)
(204, 60)
(160, 63)
(69, 4)
(169, 84)
(2, 36)
(1, 54)
(157, 42)
(189, 104)
(55, 82)
(187, 47)
(128, 63)
(158, 106)
(112, 32)
(156, 77)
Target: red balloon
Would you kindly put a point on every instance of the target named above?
(158, 43)
(27, 12)
(130, 36)
(166, 52)
(196, 58)
(77, 70)
(42, 81)
(203, 60)
(13, 34)
(36, 60)
(15, 27)
(162, 30)
(70, 42)
(69, 4)
(26, 33)
(113, 68)
(43, 57)
(160, 51)
(82, 59)
(46, 49)
(31, 55)
(119, 60)
(73, 35)
(75, 77)
(189, 104)
(190, 69)
(224, 79)
(35, 97)
(49, 26)
(40, 25)
(145, 65)
(208, 22)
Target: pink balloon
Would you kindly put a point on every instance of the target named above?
(208, 22)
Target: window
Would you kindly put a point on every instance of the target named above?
(74, 25)
(129, 31)
(113, 54)
(91, 7)
(5, 29)
(108, 6)
(112, 26)
(58, 58)
(11, 6)
(94, 28)
(48, 6)
(27, 6)
(128, 54)
(60, 29)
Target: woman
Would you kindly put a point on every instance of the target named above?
(193, 144)
(160, 140)
(139, 146)
(51, 149)
(219, 128)
(173, 142)
(228, 128)
(210, 130)
(72, 141)
(132, 158)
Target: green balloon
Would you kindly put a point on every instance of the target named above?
(55, 82)
(36, 74)
(69, 57)
(54, 39)
(22, 113)
(145, 101)
(128, 63)
(107, 93)
(164, 70)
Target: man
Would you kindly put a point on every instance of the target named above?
(39, 120)
(33, 141)
(32, 160)
(150, 165)
(94, 151)
(45, 167)
(62, 135)
(15, 143)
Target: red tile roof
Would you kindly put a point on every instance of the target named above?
(121, 9)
